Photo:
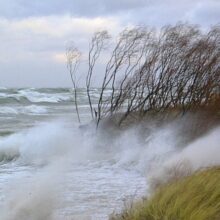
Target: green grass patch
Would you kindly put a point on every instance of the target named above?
(196, 197)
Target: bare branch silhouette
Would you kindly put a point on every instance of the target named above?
(73, 56)
(98, 43)
(177, 67)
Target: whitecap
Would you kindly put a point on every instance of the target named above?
(34, 109)
(8, 110)
(36, 97)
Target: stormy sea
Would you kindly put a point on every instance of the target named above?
(53, 168)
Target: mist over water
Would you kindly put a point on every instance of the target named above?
(52, 169)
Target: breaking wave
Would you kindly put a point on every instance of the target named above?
(35, 95)
(43, 143)
(59, 145)
(31, 109)
(52, 95)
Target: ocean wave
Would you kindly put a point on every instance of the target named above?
(8, 110)
(9, 149)
(37, 145)
(31, 109)
(7, 156)
(47, 95)
(34, 109)
(54, 140)
(34, 96)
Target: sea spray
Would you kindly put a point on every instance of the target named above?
(34, 199)
(94, 170)
(200, 154)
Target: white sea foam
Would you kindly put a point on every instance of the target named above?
(39, 144)
(201, 153)
(32, 199)
(8, 110)
(35, 96)
(3, 95)
(56, 139)
(32, 109)
(60, 146)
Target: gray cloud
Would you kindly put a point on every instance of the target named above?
(24, 8)
(32, 50)
(163, 12)
(34, 33)
(145, 11)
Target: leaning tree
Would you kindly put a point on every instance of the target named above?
(153, 70)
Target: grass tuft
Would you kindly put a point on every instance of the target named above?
(195, 197)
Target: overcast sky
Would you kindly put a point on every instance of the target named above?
(34, 33)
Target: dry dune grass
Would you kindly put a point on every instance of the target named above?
(195, 197)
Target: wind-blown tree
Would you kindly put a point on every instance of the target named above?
(73, 56)
(150, 70)
(98, 43)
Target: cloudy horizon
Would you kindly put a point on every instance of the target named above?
(34, 34)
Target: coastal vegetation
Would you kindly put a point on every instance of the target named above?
(158, 77)
(176, 67)
(195, 197)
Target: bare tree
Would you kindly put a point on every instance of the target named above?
(73, 59)
(98, 43)
(177, 67)
(125, 59)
